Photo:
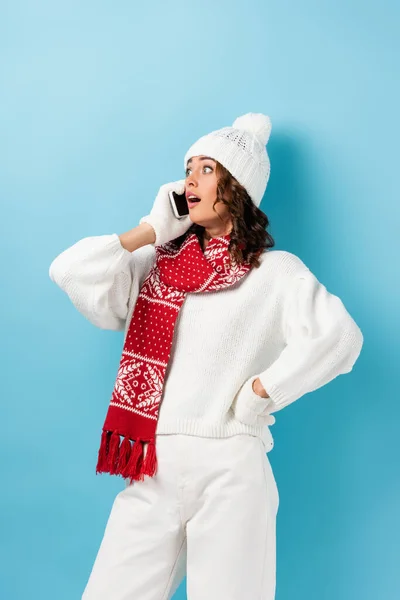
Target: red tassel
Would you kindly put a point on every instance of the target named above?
(135, 462)
(113, 453)
(149, 466)
(102, 457)
(124, 454)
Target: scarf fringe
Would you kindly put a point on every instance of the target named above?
(103, 451)
(133, 468)
(124, 454)
(113, 454)
(150, 461)
(122, 459)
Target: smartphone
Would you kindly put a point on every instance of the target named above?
(179, 204)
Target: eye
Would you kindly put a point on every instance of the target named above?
(205, 167)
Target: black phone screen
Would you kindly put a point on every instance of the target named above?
(181, 204)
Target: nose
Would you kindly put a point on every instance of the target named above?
(191, 180)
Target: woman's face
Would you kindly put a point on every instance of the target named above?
(201, 180)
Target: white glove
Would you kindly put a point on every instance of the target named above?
(162, 219)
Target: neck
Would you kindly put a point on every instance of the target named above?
(207, 236)
(211, 233)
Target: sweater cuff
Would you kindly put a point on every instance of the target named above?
(278, 396)
(250, 408)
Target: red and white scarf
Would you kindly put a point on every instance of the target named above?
(134, 407)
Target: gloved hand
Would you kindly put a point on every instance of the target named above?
(162, 219)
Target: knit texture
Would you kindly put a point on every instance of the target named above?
(279, 323)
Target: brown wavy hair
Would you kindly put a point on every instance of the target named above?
(249, 237)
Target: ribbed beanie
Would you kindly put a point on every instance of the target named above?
(241, 149)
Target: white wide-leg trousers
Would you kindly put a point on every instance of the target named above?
(209, 513)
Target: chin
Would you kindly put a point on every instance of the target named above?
(196, 221)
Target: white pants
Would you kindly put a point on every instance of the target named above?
(209, 513)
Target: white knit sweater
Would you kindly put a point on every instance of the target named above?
(278, 323)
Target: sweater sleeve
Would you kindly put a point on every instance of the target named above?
(322, 342)
(102, 278)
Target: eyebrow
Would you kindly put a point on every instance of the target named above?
(201, 158)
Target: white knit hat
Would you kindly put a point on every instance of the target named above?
(240, 149)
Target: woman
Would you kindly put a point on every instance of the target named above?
(225, 331)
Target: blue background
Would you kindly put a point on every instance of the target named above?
(99, 103)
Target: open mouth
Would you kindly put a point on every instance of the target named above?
(192, 200)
